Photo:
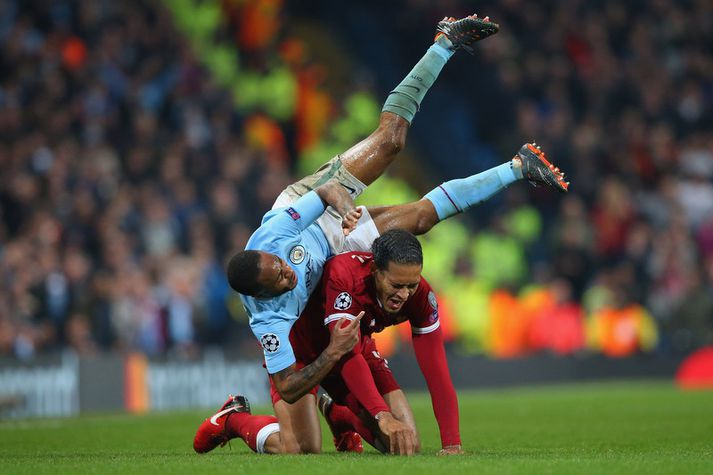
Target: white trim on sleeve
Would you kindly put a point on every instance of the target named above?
(337, 316)
(424, 330)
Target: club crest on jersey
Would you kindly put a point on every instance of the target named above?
(432, 300)
(270, 342)
(343, 301)
(297, 254)
(293, 214)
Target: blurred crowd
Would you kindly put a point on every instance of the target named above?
(128, 174)
(622, 94)
(125, 182)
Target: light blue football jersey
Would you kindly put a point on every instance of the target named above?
(292, 234)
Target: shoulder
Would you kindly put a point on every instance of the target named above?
(352, 264)
(280, 308)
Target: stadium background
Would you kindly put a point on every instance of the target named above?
(143, 141)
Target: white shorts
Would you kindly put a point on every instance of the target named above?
(330, 222)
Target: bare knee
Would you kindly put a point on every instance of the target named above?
(300, 445)
(308, 448)
(426, 217)
(291, 447)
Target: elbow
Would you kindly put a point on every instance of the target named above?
(289, 398)
(287, 394)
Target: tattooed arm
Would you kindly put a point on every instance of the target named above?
(292, 384)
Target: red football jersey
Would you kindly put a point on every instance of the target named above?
(345, 290)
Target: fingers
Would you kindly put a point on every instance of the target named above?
(355, 323)
(350, 220)
(401, 443)
(342, 323)
(411, 446)
(405, 442)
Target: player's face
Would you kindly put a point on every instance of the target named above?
(275, 276)
(396, 284)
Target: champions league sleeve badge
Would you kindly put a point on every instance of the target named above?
(343, 301)
(270, 342)
(432, 300)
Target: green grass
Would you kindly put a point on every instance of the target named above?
(587, 428)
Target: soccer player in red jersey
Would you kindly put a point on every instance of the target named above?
(385, 286)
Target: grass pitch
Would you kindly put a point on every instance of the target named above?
(602, 428)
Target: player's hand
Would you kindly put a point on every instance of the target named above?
(349, 221)
(334, 194)
(402, 438)
(345, 335)
(451, 450)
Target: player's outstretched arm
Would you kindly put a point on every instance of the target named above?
(335, 195)
(292, 384)
(431, 357)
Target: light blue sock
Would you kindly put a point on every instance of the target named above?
(405, 100)
(456, 196)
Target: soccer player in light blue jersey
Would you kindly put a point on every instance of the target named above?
(316, 218)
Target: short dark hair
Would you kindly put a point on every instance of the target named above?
(243, 270)
(396, 245)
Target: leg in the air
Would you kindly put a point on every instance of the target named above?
(456, 196)
(368, 159)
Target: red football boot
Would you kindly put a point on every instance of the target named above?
(348, 441)
(345, 439)
(212, 432)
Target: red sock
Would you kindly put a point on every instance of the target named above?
(250, 428)
(343, 420)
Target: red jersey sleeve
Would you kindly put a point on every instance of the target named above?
(339, 291)
(431, 357)
(341, 301)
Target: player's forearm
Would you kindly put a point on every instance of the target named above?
(358, 378)
(431, 357)
(292, 384)
(335, 195)
(445, 408)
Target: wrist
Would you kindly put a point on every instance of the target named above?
(382, 414)
(332, 354)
